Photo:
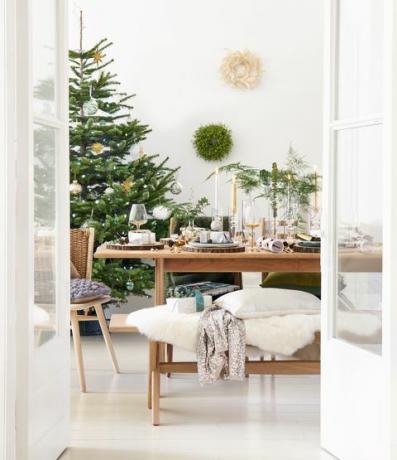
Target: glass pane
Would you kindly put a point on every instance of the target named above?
(359, 58)
(44, 234)
(44, 57)
(359, 236)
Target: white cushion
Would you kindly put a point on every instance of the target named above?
(264, 302)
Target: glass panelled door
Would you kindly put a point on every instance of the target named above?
(48, 400)
(352, 373)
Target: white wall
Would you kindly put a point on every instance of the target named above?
(168, 52)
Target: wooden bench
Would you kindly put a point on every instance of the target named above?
(161, 362)
(118, 323)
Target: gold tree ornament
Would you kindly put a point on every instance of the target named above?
(241, 69)
(98, 56)
(127, 185)
(97, 148)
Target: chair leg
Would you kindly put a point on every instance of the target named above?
(170, 356)
(77, 349)
(151, 366)
(156, 387)
(106, 336)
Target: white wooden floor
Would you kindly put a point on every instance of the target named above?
(260, 418)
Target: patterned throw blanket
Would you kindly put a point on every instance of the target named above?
(220, 346)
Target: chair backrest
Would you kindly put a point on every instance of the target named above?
(82, 250)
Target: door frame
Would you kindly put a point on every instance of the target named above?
(7, 230)
(385, 366)
(15, 208)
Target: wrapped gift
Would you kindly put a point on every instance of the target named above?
(182, 304)
(220, 237)
(143, 237)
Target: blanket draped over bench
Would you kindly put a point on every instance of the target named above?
(220, 346)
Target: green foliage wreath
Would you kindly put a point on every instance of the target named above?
(213, 142)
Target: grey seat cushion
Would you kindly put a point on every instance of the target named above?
(83, 290)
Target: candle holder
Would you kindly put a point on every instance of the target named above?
(235, 227)
(250, 220)
(217, 220)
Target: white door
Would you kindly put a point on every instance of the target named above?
(43, 270)
(354, 369)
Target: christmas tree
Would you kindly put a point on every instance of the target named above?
(106, 178)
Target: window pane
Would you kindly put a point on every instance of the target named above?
(359, 61)
(45, 231)
(44, 57)
(359, 236)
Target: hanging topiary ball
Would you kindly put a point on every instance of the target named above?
(213, 142)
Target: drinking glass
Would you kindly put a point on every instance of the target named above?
(138, 215)
(251, 220)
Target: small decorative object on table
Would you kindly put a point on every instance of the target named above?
(183, 299)
(141, 237)
(217, 220)
(271, 244)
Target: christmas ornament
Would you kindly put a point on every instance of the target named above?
(129, 285)
(90, 107)
(176, 188)
(141, 151)
(97, 148)
(161, 212)
(75, 188)
(109, 191)
(98, 56)
(127, 185)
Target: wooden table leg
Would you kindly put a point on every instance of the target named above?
(159, 282)
(159, 300)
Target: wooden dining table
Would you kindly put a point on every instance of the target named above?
(166, 260)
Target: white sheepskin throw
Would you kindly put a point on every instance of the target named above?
(282, 335)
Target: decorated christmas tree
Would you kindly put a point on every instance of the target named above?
(107, 173)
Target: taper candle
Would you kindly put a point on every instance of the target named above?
(216, 197)
(233, 199)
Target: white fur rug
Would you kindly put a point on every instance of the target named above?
(281, 335)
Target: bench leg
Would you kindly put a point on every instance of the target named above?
(156, 387)
(151, 366)
(170, 356)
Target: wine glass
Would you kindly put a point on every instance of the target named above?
(138, 215)
(251, 219)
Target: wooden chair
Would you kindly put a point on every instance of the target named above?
(81, 255)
